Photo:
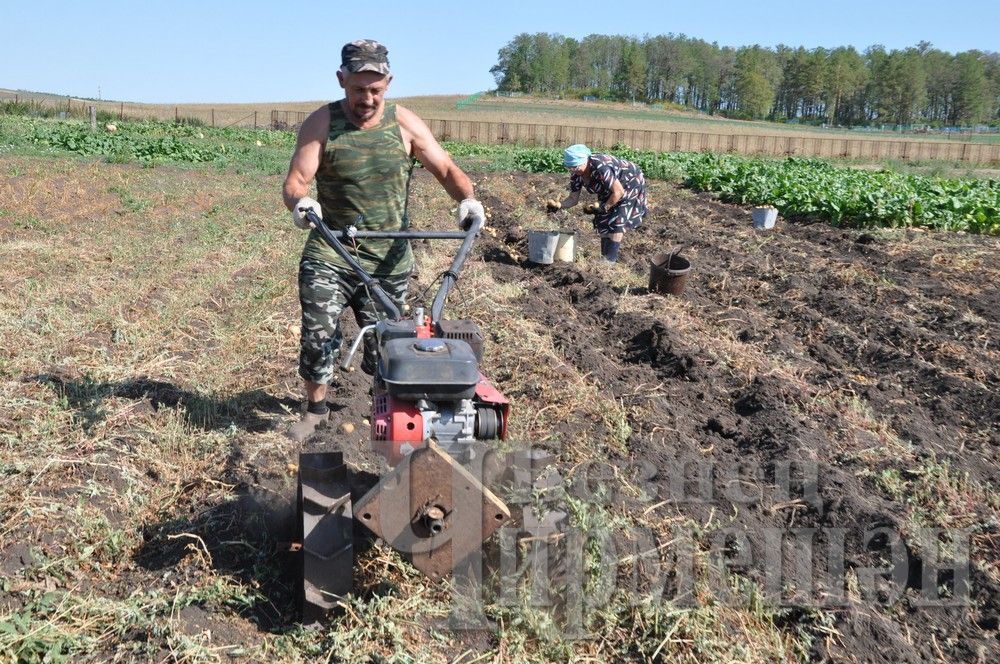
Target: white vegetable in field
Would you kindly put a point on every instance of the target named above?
(111, 127)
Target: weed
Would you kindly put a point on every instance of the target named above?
(30, 222)
(131, 203)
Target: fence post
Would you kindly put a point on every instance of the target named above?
(255, 119)
(121, 112)
(213, 117)
(93, 118)
(177, 115)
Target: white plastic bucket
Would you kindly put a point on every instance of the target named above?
(566, 247)
(764, 217)
(542, 246)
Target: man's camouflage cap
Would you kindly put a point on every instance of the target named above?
(365, 55)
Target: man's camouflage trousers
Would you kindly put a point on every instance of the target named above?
(324, 291)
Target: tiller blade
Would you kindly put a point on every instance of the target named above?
(432, 510)
(325, 531)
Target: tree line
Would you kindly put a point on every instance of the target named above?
(916, 85)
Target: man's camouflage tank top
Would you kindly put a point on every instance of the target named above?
(366, 173)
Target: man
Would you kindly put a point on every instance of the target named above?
(361, 152)
(620, 188)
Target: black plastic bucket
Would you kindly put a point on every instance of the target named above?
(668, 273)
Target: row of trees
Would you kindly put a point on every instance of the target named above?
(920, 84)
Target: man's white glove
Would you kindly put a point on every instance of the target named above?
(471, 215)
(304, 205)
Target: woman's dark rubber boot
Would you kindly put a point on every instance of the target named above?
(610, 252)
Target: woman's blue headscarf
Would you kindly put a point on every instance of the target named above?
(575, 155)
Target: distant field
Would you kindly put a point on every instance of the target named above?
(639, 116)
(487, 108)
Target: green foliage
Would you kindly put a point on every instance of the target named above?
(798, 187)
(539, 160)
(817, 189)
(756, 75)
(151, 143)
(919, 84)
(131, 203)
(29, 222)
(28, 636)
(807, 188)
(192, 122)
(34, 109)
(81, 140)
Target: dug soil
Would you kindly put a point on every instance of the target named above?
(882, 357)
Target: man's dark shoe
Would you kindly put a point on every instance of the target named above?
(306, 426)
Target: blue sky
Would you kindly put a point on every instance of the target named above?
(256, 51)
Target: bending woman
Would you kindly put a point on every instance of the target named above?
(621, 192)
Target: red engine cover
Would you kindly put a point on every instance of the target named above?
(397, 427)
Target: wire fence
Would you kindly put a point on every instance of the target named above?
(287, 120)
(232, 116)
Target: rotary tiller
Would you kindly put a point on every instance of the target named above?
(432, 411)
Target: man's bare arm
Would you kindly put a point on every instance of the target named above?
(305, 159)
(439, 163)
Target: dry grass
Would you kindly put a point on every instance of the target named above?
(145, 365)
(142, 312)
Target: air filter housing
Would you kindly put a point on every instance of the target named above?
(433, 369)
